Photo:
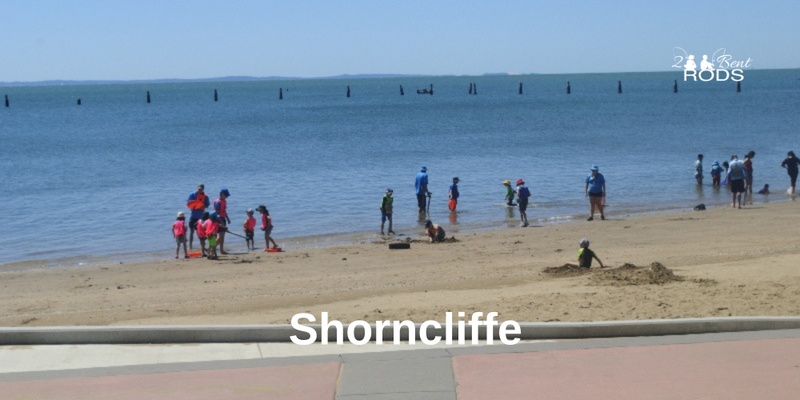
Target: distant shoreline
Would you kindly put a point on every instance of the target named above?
(66, 82)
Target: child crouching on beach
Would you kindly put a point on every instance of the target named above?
(585, 256)
(249, 230)
(179, 233)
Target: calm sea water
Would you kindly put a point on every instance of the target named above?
(104, 180)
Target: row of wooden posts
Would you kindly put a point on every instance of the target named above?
(473, 90)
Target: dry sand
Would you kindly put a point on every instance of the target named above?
(720, 262)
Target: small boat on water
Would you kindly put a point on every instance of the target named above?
(425, 91)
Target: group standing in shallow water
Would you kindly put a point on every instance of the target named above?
(739, 176)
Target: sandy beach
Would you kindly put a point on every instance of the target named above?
(719, 262)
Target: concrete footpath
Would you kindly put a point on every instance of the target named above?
(724, 365)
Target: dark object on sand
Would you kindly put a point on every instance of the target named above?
(700, 207)
(398, 246)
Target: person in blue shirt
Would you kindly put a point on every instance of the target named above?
(595, 189)
(421, 185)
(198, 202)
(453, 195)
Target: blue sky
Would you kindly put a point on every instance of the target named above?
(147, 39)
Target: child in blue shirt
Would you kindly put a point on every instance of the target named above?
(453, 195)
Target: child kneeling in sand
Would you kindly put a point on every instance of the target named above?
(585, 256)
(434, 232)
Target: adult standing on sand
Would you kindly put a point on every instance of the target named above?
(197, 202)
(790, 163)
(421, 185)
(221, 208)
(595, 190)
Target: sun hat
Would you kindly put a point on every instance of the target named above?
(249, 211)
(424, 168)
(389, 190)
(594, 168)
(520, 181)
(507, 182)
(455, 179)
(261, 207)
(180, 214)
(584, 241)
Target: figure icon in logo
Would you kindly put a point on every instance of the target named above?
(706, 65)
(690, 64)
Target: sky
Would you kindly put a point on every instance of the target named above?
(155, 39)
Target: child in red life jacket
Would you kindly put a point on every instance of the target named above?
(212, 229)
(266, 226)
(201, 232)
(249, 230)
(179, 233)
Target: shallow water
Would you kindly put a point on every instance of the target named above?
(106, 178)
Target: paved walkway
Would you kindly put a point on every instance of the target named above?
(744, 365)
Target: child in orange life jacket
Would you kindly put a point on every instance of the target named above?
(179, 233)
(249, 230)
(212, 228)
(266, 226)
(201, 232)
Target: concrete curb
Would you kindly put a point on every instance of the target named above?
(282, 333)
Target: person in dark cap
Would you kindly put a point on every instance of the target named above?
(197, 202)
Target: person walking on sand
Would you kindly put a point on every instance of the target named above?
(453, 195)
(434, 232)
(266, 226)
(790, 163)
(386, 210)
(221, 208)
(698, 170)
(595, 190)
(585, 256)
(509, 193)
(421, 186)
(736, 176)
(179, 233)
(523, 195)
(249, 230)
(198, 202)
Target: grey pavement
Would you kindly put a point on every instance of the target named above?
(287, 371)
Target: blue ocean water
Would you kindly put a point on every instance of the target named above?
(105, 179)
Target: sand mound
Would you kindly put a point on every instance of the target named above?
(565, 271)
(629, 274)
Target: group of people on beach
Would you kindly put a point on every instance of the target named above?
(212, 227)
(739, 175)
(595, 190)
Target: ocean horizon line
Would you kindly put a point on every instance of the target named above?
(247, 78)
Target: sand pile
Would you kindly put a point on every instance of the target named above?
(629, 274)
